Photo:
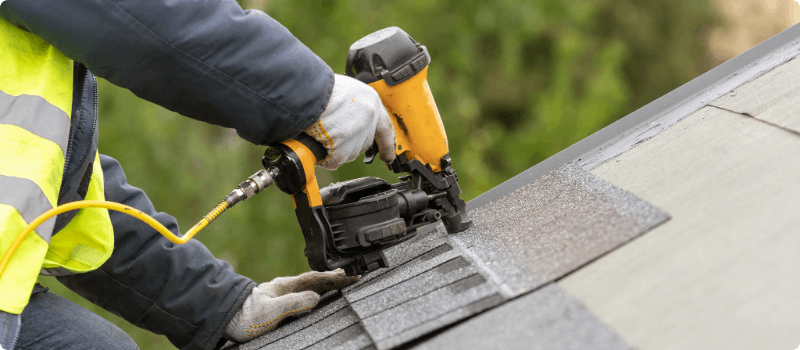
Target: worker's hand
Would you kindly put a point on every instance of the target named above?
(271, 302)
(354, 119)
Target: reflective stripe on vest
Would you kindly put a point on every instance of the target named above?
(36, 83)
(88, 239)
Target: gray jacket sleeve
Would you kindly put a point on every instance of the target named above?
(180, 291)
(206, 59)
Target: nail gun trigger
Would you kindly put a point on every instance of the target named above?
(369, 155)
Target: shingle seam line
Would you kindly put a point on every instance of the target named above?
(394, 268)
(486, 272)
(678, 111)
(448, 313)
(335, 333)
(433, 333)
(310, 325)
(360, 321)
(407, 279)
(364, 327)
(421, 296)
(556, 280)
(748, 115)
(467, 254)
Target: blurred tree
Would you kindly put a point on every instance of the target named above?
(515, 81)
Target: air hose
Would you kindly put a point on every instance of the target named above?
(254, 184)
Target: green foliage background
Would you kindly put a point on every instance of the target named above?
(515, 81)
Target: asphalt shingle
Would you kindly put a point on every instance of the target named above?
(548, 318)
(353, 337)
(445, 273)
(552, 226)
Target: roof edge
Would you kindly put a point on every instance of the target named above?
(657, 116)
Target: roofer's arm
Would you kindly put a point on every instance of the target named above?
(211, 61)
(214, 62)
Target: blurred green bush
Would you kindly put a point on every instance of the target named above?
(515, 81)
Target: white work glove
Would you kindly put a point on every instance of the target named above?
(354, 119)
(271, 302)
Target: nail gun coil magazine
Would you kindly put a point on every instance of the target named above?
(370, 212)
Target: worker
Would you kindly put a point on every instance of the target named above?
(207, 60)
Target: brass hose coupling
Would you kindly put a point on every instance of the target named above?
(253, 185)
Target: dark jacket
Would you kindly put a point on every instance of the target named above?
(205, 59)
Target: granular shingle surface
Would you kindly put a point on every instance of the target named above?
(548, 318)
(552, 226)
(419, 310)
(350, 338)
(325, 328)
(517, 244)
(446, 273)
(402, 272)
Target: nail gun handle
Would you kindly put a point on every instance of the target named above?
(310, 151)
(294, 162)
(317, 148)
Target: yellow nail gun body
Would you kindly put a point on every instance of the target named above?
(349, 224)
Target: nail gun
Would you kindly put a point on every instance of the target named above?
(349, 224)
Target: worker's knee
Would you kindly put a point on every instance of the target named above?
(52, 322)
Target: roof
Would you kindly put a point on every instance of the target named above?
(722, 273)
(670, 228)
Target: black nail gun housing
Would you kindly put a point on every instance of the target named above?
(370, 213)
(359, 219)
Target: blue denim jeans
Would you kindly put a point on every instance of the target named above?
(52, 322)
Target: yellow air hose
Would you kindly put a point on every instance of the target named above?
(254, 184)
(111, 206)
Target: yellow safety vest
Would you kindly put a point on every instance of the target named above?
(36, 83)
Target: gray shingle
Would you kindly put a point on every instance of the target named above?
(337, 322)
(395, 321)
(427, 238)
(445, 273)
(404, 272)
(548, 318)
(444, 320)
(552, 226)
(353, 337)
